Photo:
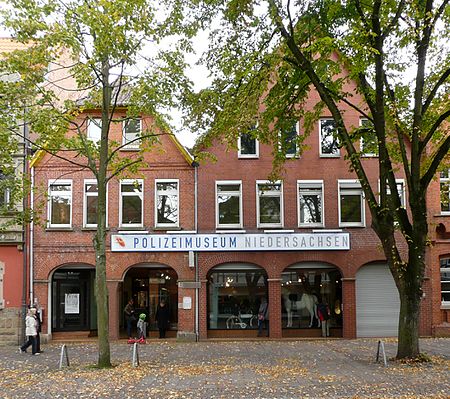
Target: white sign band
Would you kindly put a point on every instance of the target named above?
(229, 242)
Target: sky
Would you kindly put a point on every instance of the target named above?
(197, 73)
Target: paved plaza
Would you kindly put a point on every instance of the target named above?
(228, 369)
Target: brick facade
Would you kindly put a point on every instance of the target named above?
(71, 249)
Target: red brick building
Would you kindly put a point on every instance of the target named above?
(215, 239)
(160, 199)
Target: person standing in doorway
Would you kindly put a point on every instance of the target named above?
(323, 312)
(162, 318)
(30, 332)
(263, 317)
(129, 316)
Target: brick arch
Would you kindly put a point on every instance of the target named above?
(371, 262)
(70, 265)
(312, 263)
(260, 259)
(148, 265)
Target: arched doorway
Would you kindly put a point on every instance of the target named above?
(235, 291)
(303, 287)
(148, 284)
(73, 300)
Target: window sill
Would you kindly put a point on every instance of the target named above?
(443, 214)
(130, 149)
(130, 230)
(224, 230)
(248, 156)
(54, 228)
(91, 228)
(161, 228)
(369, 156)
(329, 156)
(445, 305)
(278, 231)
(351, 226)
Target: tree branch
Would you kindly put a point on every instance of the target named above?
(395, 19)
(434, 90)
(437, 159)
(433, 129)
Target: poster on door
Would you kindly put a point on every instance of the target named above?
(72, 304)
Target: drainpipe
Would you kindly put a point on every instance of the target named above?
(32, 238)
(24, 229)
(195, 164)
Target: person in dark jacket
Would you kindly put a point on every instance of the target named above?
(162, 318)
(130, 318)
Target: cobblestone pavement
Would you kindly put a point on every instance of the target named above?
(228, 369)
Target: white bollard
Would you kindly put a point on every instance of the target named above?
(381, 346)
(135, 360)
(61, 358)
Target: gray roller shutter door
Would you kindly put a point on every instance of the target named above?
(377, 302)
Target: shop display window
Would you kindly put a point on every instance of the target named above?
(302, 289)
(234, 298)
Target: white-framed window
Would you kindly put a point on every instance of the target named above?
(369, 142)
(94, 129)
(90, 203)
(401, 190)
(269, 204)
(167, 203)
(310, 203)
(351, 204)
(288, 141)
(248, 145)
(445, 280)
(60, 203)
(229, 204)
(131, 203)
(132, 129)
(329, 144)
(444, 180)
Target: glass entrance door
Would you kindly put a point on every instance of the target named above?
(71, 300)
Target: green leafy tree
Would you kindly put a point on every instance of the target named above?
(105, 54)
(388, 60)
